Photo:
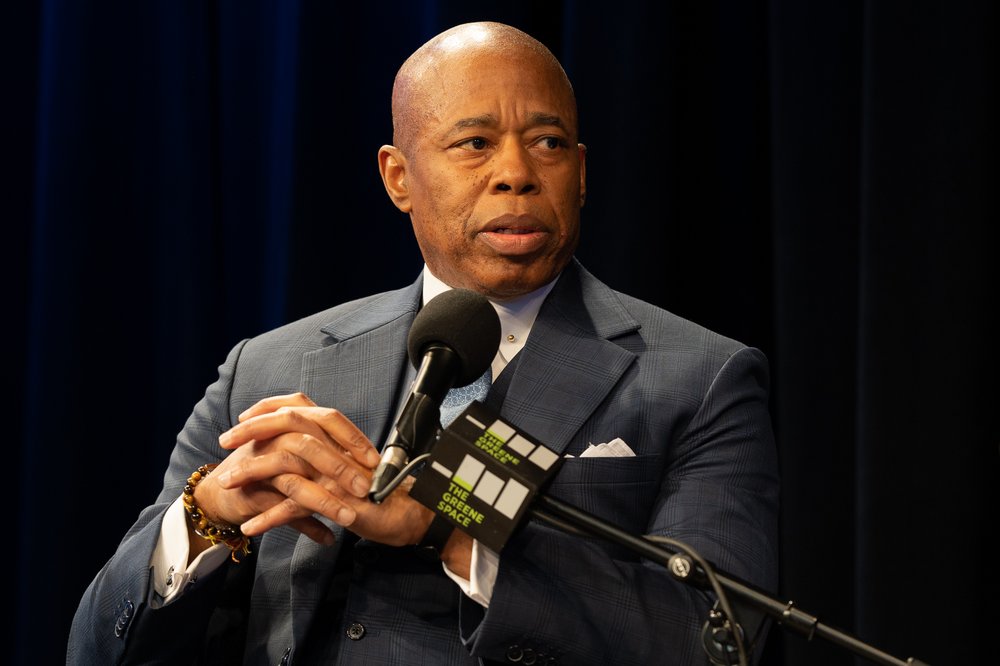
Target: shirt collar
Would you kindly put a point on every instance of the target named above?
(517, 316)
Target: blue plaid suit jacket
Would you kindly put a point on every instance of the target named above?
(598, 365)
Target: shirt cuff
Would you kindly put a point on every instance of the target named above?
(170, 570)
(482, 573)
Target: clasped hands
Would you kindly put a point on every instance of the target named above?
(292, 459)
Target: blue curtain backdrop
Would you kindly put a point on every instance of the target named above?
(815, 179)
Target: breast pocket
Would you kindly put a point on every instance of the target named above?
(618, 490)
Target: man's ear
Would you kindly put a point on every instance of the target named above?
(582, 152)
(392, 166)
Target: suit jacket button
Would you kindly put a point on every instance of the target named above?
(124, 618)
(356, 631)
(515, 654)
(530, 658)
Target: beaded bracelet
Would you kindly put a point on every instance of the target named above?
(230, 535)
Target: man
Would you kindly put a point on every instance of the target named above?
(487, 166)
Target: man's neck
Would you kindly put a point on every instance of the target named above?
(517, 316)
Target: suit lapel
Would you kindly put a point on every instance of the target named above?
(570, 362)
(360, 373)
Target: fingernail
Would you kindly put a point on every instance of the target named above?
(224, 479)
(224, 438)
(248, 527)
(372, 458)
(345, 516)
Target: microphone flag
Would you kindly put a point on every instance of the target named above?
(483, 474)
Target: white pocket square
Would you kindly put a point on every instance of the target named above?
(616, 448)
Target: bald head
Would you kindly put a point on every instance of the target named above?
(418, 81)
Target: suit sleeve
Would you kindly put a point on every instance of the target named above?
(713, 486)
(114, 623)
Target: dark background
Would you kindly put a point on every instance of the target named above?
(817, 179)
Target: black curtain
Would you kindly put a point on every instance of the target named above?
(815, 179)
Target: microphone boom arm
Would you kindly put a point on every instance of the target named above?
(680, 566)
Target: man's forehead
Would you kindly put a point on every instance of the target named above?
(496, 107)
(490, 120)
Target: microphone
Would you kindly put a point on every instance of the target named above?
(451, 343)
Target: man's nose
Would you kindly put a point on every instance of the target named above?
(514, 170)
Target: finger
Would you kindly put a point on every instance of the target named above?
(273, 403)
(303, 455)
(268, 425)
(343, 431)
(398, 521)
(314, 529)
(321, 422)
(303, 498)
(264, 468)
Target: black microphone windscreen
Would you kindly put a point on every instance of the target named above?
(465, 322)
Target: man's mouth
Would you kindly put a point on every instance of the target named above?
(514, 235)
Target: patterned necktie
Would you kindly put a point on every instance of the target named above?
(458, 398)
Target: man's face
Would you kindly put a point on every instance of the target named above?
(494, 178)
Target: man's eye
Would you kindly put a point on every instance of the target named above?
(477, 143)
(551, 142)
